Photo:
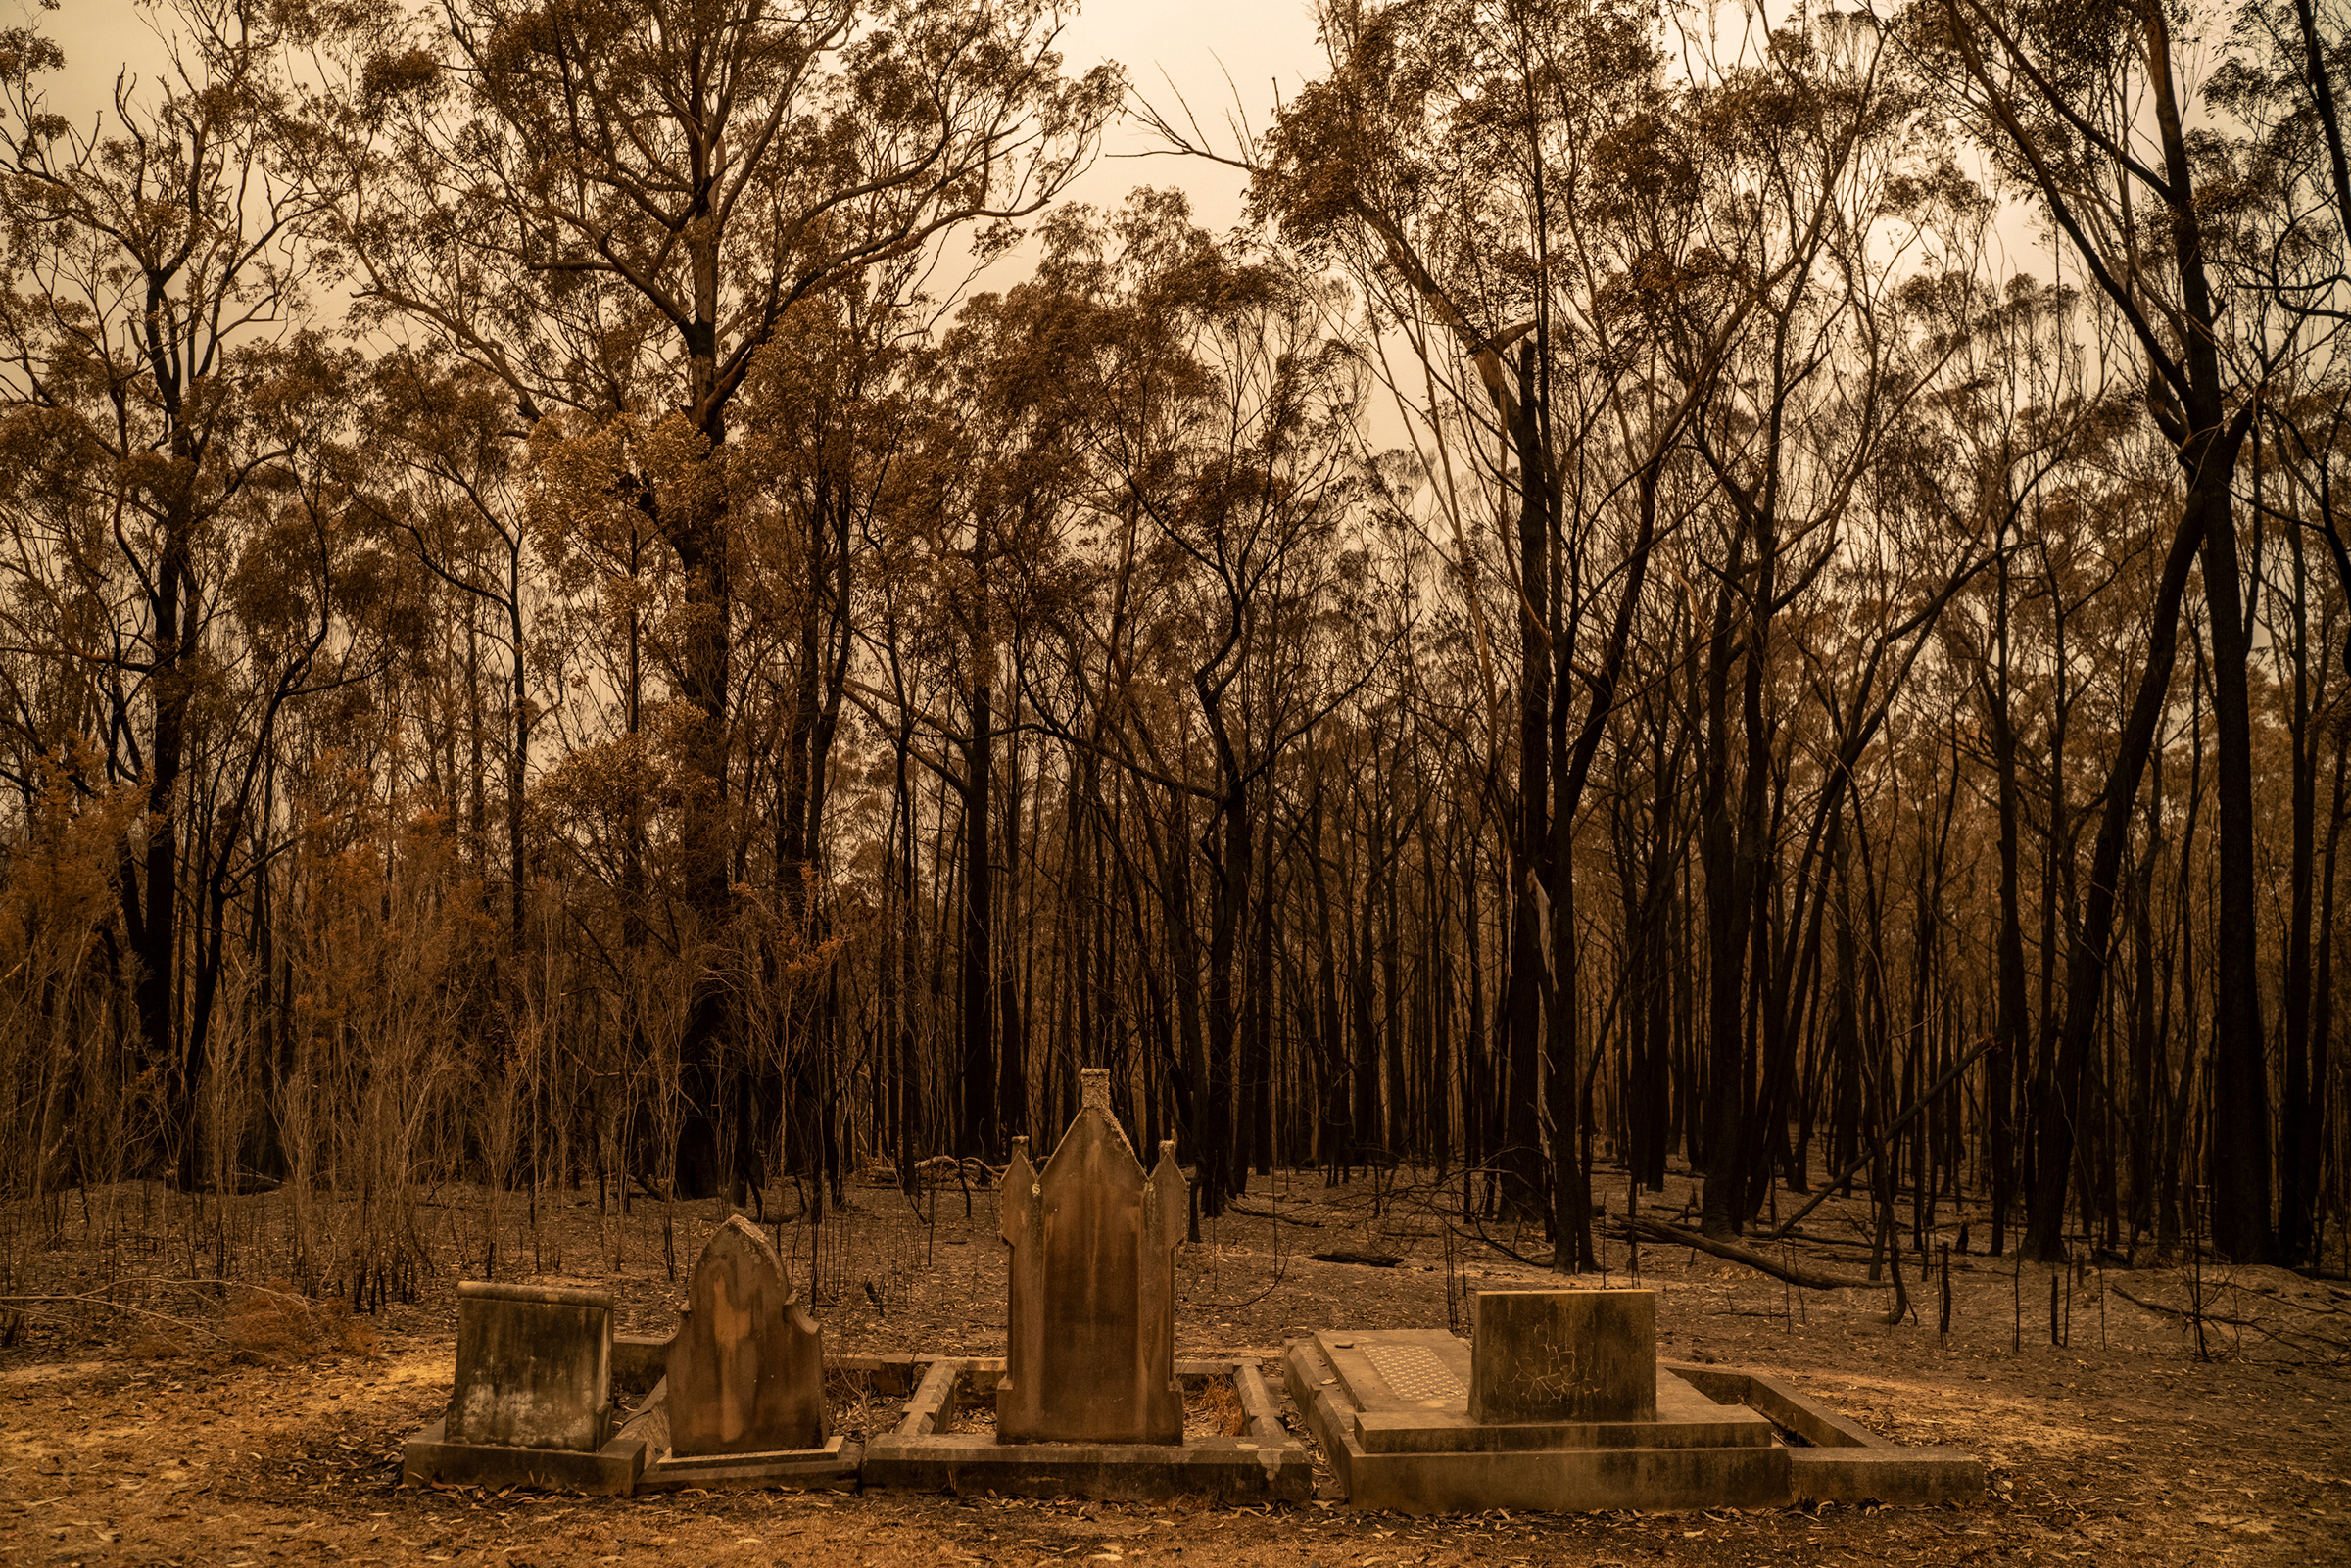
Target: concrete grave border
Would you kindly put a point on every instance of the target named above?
(1269, 1465)
(1844, 1461)
(1814, 1455)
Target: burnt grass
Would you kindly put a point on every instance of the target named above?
(144, 1420)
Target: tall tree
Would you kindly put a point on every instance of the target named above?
(2086, 111)
(154, 260)
(612, 205)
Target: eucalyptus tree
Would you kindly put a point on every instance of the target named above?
(2093, 112)
(2282, 237)
(1214, 412)
(994, 468)
(614, 204)
(1439, 163)
(453, 492)
(2022, 416)
(152, 346)
(1529, 180)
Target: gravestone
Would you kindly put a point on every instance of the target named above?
(1090, 1357)
(1089, 1399)
(1565, 1355)
(534, 1367)
(533, 1400)
(747, 1370)
(1560, 1405)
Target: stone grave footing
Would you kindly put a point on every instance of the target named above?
(612, 1470)
(924, 1451)
(832, 1467)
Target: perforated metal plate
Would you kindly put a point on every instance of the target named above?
(1414, 1372)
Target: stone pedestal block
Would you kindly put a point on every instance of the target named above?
(1565, 1355)
(534, 1367)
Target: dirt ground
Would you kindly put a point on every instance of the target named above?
(245, 1438)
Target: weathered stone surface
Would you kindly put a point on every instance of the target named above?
(1091, 1316)
(638, 1362)
(1565, 1355)
(747, 1370)
(534, 1367)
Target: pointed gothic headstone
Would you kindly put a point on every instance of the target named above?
(1092, 1287)
(747, 1371)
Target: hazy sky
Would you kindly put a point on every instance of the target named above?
(1159, 41)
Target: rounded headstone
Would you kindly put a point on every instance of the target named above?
(747, 1371)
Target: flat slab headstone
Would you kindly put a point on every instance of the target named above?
(1091, 1312)
(1391, 1409)
(747, 1370)
(1565, 1355)
(534, 1367)
(1406, 1391)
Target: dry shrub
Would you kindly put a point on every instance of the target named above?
(1222, 1404)
(274, 1325)
(154, 1342)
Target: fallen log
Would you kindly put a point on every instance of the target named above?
(1643, 1228)
(1267, 1213)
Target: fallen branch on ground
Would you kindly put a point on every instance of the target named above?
(1267, 1213)
(1504, 1248)
(1642, 1227)
(2280, 1335)
(963, 1168)
(120, 1306)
